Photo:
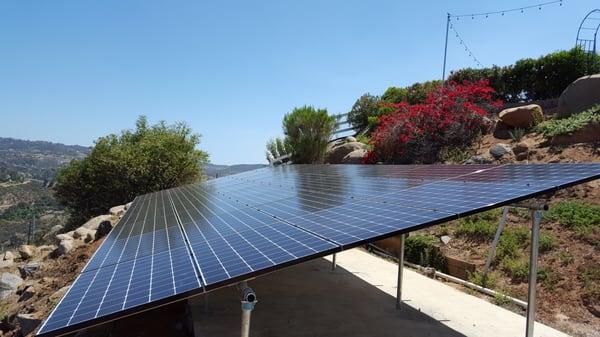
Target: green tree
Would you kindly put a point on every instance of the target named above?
(135, 162)
(364, 107)
(308, 130)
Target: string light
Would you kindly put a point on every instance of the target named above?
(467, 49)
(502, 12)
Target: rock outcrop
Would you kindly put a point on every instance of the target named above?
(523, 116)
(337, 153)
(27, 251)
(354, 157)
(499, 150)
(580, 95)
(9, 283)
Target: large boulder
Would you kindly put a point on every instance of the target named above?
(6, 263)
(82, 233)
(29, 269)
(522, 116)
(117, 210)
(28, 322)
(500, 150)
(27, 251)
(9, 283)
(580, 95)
(93, 223)
(354, 157)
(65, 246)
(337, 153)
(8, 255)
(27, 293)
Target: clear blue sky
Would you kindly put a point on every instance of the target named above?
(71, 71)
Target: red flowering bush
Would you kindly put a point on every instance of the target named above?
(452, 116)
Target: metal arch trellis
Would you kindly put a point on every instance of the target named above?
(587, 35)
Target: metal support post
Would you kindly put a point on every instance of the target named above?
(400, 270)
(333, 265)
(492, 252)
(536, 217)
(248, 302)
(446, 46)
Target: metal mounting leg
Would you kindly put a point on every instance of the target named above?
(248, 302)
(333, 265)
(492, 252)
(400, 269)
(536, 217)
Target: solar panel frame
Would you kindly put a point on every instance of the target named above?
(227, 192)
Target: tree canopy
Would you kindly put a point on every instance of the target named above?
(134, 162)
(307, 131)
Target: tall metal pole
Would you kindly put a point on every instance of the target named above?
(536, 217)
(400, 274)
(446, 46)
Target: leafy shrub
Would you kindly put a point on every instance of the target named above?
(517, 134)
(573, 213)
(364, 107)
(120, 167)
(414, 94)
(480, 230)
(548, 242)
(589, 275)
(511, 243)
(516, 268)
(307, 130)
(568, 125)
(421, 249)
(486, 281)
(533, 79)
(452, 116)
(565, 258)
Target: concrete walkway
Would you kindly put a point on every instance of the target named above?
(463, 313)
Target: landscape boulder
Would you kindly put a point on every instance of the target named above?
(6, 263)
(104, 228)
(29, 269)
(8, 255)
(65, 246)
(354, 157)
(499, 150)
(65, 236)
(26, 251)
(27, 293)
(9, 283)
(127, 205)
(93, 223)
(337, 153)
(350, 139)
(82, 233)
(117, 210)
(522, 116)
(28, 322)
(520, 148)
(580, 95)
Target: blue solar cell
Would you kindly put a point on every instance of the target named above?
(196, 238)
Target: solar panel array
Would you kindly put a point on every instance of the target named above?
(176, 243)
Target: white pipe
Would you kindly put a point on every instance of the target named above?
(468, 284)
(460, 281)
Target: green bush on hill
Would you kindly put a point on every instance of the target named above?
(120, 167)
(533, 79)
(307, 131)
(568, 125)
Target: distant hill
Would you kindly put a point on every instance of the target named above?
(24, 159)
(215, 171)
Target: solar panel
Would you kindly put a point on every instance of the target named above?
(177, 243)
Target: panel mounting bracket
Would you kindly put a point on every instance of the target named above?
(536, 207)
